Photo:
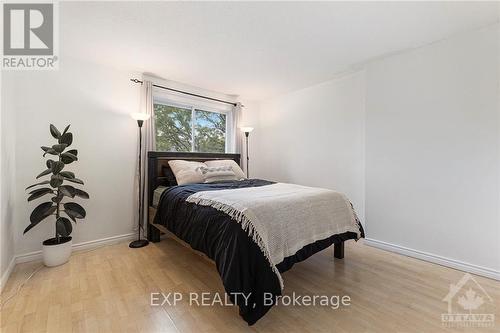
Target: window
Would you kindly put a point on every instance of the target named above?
(184, 128)
(209, 132)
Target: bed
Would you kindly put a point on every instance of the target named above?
(234, 239)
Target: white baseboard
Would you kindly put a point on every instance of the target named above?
(460, 265)
(37, 255)
(6, 274)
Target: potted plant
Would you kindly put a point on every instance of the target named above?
(56, 251)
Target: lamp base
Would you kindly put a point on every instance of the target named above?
(138, 243)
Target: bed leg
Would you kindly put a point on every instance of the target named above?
(153, 233)
(338, 250)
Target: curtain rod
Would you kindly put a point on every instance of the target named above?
(188, 93)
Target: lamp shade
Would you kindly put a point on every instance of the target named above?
(246, 129)
(140, 116)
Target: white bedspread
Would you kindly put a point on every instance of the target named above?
(283, 218)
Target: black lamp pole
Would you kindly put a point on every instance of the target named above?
(248, 158)
(139, 242)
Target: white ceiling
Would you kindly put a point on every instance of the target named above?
(257, 49)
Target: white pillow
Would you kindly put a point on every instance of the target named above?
(187, 172)
(236, 168)
(215, 174)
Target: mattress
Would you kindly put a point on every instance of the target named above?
(157, 195)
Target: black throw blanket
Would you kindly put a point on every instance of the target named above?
(240, 262)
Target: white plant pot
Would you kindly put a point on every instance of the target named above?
(56, 254)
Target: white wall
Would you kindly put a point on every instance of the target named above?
(427, 139)
(314, 137)
(432, 149)
(7, 175)
(96, 101)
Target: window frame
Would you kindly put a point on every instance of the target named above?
(200, 107)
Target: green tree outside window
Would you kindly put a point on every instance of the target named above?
(175, 125)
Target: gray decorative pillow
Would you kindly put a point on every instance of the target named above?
(236, 168)
(215, 174)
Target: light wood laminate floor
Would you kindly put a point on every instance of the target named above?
(108, 290)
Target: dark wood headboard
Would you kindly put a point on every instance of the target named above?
(160, 174)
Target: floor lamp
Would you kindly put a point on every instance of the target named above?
(140, 117)
(247, 131)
